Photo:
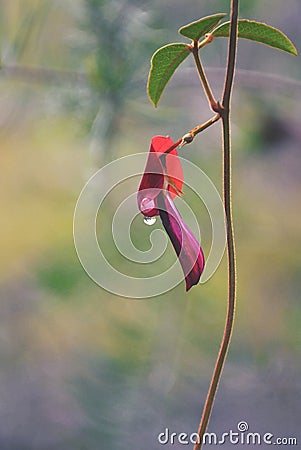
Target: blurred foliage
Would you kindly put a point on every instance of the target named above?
(114, 57)
(81, 368)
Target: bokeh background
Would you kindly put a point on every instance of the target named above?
(82, 369)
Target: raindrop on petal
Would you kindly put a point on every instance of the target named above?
(149, 220)
(147, 204)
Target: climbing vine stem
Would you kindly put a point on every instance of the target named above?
(224, 111)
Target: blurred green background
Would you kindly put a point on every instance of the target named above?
(81, 368)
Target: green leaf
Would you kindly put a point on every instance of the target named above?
(259, 32)
(199, 28)
(163, 64)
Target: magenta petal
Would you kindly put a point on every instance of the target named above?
(187, 248)
(151, 184)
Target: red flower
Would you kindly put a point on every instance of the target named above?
(162, 181)
(163, 170)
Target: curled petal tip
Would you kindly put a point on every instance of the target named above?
(194, 276)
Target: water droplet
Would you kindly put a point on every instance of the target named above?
(149, 220)
(147, 204)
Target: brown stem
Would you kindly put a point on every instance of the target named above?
(205, 125)
(203, 78)
(188, 137)
(225, 113)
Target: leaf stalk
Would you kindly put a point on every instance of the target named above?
(195, 51)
